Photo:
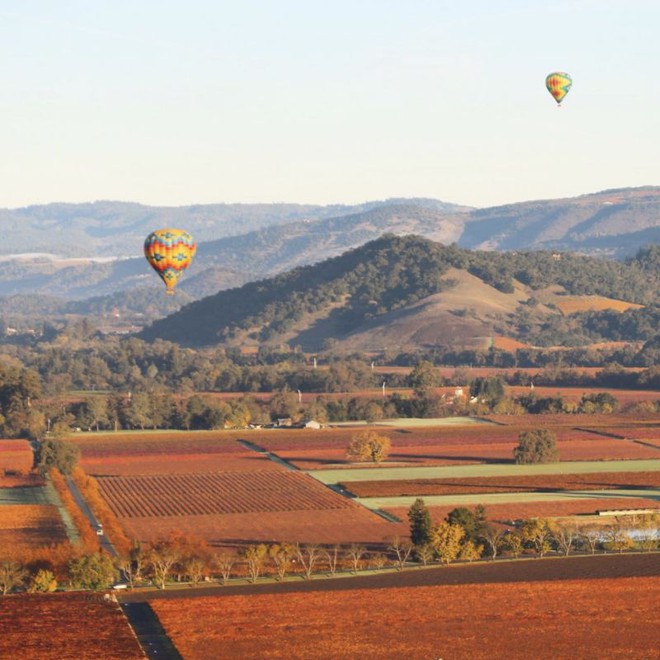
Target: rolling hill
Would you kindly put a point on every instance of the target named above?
(98, 247)
(405, 293)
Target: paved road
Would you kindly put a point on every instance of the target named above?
(150, 633)
(574, 567)
(93, 521)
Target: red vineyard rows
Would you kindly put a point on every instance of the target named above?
(216, 493)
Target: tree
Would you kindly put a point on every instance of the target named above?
(424, 553)
(472, 522)
(94, 571)
(255, 556)
(493, 536)
(58, 454)
(224, 562)
(368, 445)
(617, 538)
(537, 446)
(43, 581)
(355, 554)
(649, 527)
(282, 556)
(489, 389)
(591, 536)
(132, 564)
(446, 540)
(308, 555)
(402, 550)
(565, 539)
(420, 523)
(12, 574)
(514, 543)
(469, 550)
(423, 378)
(538, 533)
(162, 558)
(332, 558)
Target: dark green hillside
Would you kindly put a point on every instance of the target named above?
(383, 276)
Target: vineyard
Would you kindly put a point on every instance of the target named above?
(65, 627)
(504, 484)
(239, 506)
(217, 493)
(549, 509)
(27, 527)
(464, 621)
(15, 456)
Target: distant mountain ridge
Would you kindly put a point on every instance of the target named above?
(238, 243)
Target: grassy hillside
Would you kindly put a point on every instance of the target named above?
(405, 291)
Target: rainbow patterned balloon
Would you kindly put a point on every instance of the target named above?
(169, 251)
(558, 84)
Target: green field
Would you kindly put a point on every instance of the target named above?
(32, 495)
(506, 498)
(481, 470)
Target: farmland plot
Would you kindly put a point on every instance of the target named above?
(543, 620)
(519, 510)
(227, 507)
(504, 484)
(27, 527)
(65, 627)
(163, 452)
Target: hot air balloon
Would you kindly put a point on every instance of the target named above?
(169, 251)
(558, 84)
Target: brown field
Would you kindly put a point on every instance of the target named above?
(556, 509)
(28, 527)
(96, 445)
(598, 448)
(167, 452)
(229, 507)
(563, 619)
(504, 484)
(578, 420)
(65, 627)
(343, 526)
(15, 456)
(568, 305)
(623, 397)
(208, 484)
(508, 344)
(173, 463)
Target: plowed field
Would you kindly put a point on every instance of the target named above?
(65, 627)
(541, 620)
(505, 484)
(551, 509)
(25, 527)
(15, 456)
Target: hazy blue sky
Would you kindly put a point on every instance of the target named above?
(171, 102)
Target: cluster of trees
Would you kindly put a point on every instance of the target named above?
(93, 572)
(156, 409)
(466, 534)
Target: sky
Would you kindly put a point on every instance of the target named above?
(170, 103)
